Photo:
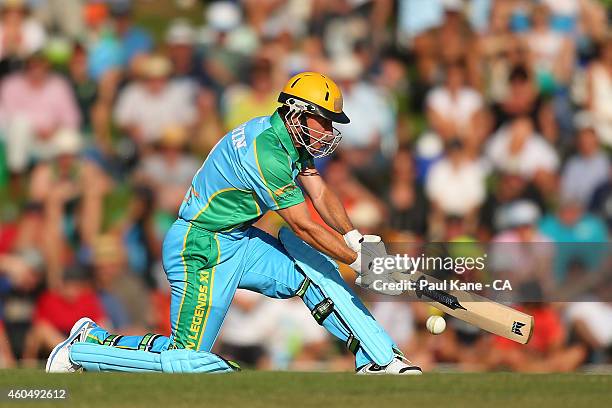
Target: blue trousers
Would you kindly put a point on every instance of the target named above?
(205, 269)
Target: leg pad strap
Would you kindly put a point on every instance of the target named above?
(322, 310)
(334, 305)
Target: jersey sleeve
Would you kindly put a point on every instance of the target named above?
(270, 175)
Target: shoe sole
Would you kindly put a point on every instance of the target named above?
(410, 370)
(73, 334)
(407, 372)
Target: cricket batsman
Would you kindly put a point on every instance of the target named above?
(213, 248)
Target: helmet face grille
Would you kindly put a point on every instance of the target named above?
(318, 144)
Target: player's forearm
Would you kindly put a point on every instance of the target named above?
(332, 211)
(326, 242)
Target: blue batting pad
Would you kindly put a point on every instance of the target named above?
(323, 272)
(96, 357)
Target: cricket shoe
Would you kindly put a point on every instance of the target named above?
(400, 365)
(59, 359)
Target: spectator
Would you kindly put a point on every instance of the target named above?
(23, 265)
(170, 169)
(446, 43)
(22, 271)
(508, 188)
(592, 24)
(517, 222)
(546, 350)
(371, 131)
(586, 170)
(7, 359)
(601, 203)
(241, 103)
(20, 35)
(66, 16)
(34, 106)
(599, 91)
(148, 106)
(408, 206)
(524, 99)
(391, 78)
(521, 253)
(366, 216)
(362, 206)
(120, 290)
(572, 224)
(455, 184)
(180, 46)
(71, 190)
(142, 234)
(84, 87)
(553, 55)
(454, 34)
(576, 234)
(23, 235)
(67, 174)
(133, 39)
(453, 109)
(246, 329)
(495, 45)
(371, 136)
(592, 322)
(563, 14)
(57, 310)
(228, 43)
(104, 57)
(551, 52)
(517, 148)
(209, 127)
(296, 343)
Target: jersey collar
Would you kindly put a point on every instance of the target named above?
(283, 135)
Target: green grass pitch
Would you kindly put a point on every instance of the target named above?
(296, 390)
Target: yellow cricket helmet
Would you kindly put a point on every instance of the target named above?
(314, 93)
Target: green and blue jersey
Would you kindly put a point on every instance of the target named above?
(251, 170)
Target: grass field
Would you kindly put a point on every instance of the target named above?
(269, 389)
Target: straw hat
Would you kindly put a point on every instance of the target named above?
(67, 142)
(173, 136)
(155, 66)
(180, 32)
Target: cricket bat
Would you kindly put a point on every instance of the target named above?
(474, 309)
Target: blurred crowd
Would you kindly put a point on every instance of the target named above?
(471, 121)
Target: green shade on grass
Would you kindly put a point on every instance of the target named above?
(272, 389)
